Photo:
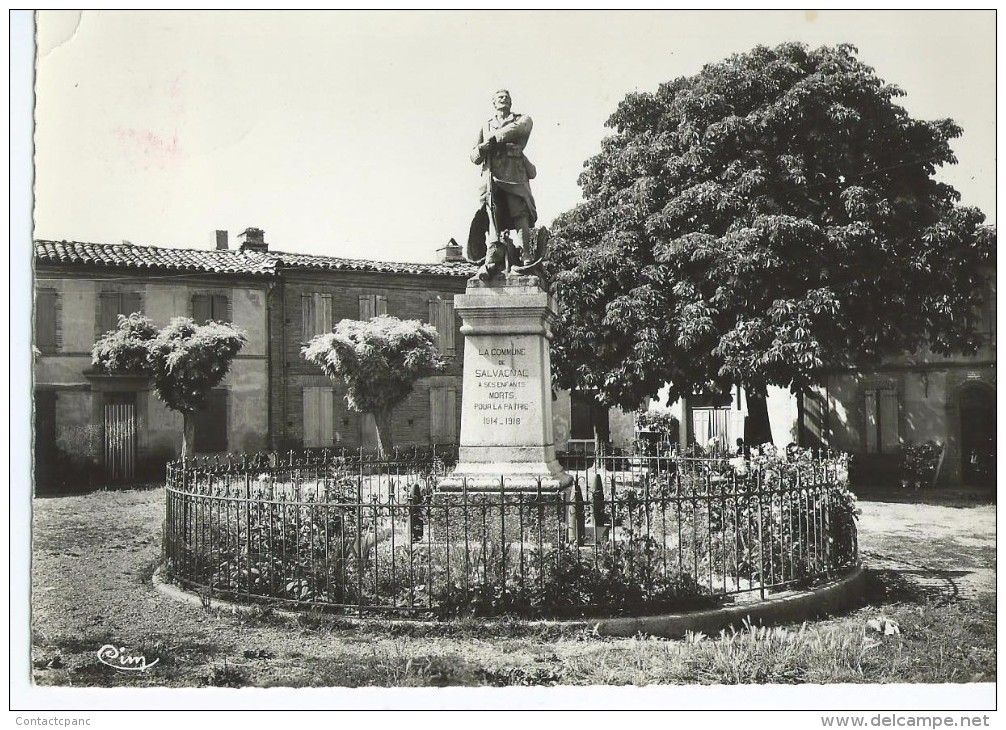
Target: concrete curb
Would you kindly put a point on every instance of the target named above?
(175, 593)
(833, 597)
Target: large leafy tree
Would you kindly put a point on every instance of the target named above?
(379, 361)
(184, 360)
(758, 223)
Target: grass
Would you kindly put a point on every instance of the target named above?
(94, 555)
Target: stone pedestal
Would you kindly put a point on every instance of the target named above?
(507, 442)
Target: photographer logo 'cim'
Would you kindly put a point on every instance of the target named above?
(117, 658)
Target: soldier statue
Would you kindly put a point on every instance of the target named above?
(505, 199)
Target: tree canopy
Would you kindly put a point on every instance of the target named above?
(767, 219)
(185, 360)
(379, 361)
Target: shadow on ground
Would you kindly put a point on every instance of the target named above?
(886, 586)
(960, 497)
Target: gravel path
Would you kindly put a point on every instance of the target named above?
(945, 551)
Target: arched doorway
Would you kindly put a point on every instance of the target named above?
(978, 434)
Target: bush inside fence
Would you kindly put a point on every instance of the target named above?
(377, 540)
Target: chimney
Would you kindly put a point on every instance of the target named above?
(253, 239)
(221, 240)
(449, 253)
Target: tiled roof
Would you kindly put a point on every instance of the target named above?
(313, 261)
(130, 256)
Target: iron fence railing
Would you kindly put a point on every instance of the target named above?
(632, 534)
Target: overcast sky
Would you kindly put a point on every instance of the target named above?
(348, 133)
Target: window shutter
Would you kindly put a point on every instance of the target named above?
(381, 305)
(45, 320)
(202, 308)
(307, 317)
(326, 419)
(218, 308)
(435, 321)
(318, 418)
(451, 415)
(701, 430)
(889, 441)
(131, 303)
(870, 409)
(366, 307)
(324, 309)
(988, 315)
(735, 428)
(436, 414)
(310, 417)
(446, 327)
(108, 318)
(443, 415)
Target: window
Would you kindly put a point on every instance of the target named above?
(715, 420)
(373, 305)
(319, 428)
(112, 304)
(317, 314)
(46, 320)
(206, 307)
(988, 312)
(211, 424)
(881, 409)
(442, 317)
(812, 409)
(585, 415)
(443, 415)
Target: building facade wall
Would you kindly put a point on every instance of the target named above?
(407, 296)
(929, 409)
(65, 368)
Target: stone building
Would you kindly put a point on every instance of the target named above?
(875, 412)
(313, 293)
(113, 427)
(106, 427)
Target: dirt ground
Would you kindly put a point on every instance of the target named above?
(949, 551)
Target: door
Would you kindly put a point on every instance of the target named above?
(210, 424)
(45, 437)
(712, 428)
(588, 421)
(978, 435)
(119, 421)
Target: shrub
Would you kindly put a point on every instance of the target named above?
(919, 462)
(663, 424)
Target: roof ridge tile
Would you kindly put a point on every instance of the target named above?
(131, 255)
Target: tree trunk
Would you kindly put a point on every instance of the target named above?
(385, 443)
(599, 422)
(188, 435)
(757, 429)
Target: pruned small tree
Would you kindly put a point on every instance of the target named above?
(379, 361)
(184, 359)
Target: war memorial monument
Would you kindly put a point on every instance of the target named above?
(507, 443)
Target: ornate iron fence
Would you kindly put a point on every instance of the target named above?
(633, 534)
